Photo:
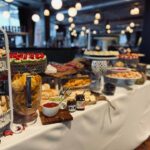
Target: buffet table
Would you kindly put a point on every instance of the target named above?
(93, 129)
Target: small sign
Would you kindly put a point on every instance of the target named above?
(2, 65)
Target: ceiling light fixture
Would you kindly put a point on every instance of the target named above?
(94, 32)
(56, 27)
(83, 28)
(60, 17)
(56, 4)
(98, 16)
(128, 28)
(135, 11)
(131, 31)
(72, 12)
(46, 12)
(72, 25)
(108, 26)
(96, 22)
(70, 19)
(87, 31)
(122, 32)
(132, 24)
(70, 29)
(108, 31)
(35, 18)
(78, 6)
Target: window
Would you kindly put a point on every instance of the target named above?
(9, 16)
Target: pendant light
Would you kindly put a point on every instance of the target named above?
(60, 17)
(108, 26)
(135, 11)
(83, 28)
(94, 32)
(98, 16)
(72, 12)
(56, 4)
(122, 32)
(46, 12)
(78, 6)
(56, 27)
(132, 24)
(70, 19)
(96, 22)
(108, 31)
(35, 18)
(72, 25)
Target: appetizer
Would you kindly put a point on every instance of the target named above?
(125, 75)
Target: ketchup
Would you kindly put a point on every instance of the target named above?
(50, 105)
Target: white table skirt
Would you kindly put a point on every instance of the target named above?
(91, 129)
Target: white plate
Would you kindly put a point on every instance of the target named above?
(119, 69)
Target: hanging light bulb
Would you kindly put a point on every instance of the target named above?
(83, 28)
(108, 31)
(72, 12)
(56, 27)
(46, 12)
(70, 29)
(97, 16)
(108, 26)
(128, 28)
(78, 6)
(70, 19)
(75, 35)
(9, 1)
(122, 32)
(72, 25)
(87, 31)
(35, 18)
(6, 14)
(94, 32)
(132, 24)
(74, 31)
(60, 17)
(131, 31)
(56, 4)
(135, 11)
(96, 22)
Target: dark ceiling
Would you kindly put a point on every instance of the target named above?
(117, 12)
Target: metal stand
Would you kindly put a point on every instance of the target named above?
(13, 127)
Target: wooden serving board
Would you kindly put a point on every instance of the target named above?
(61, 116)
(63, 74)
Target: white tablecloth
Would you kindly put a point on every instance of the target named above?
(91, 129)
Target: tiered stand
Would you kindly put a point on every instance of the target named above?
(99, 67)
(13, 127)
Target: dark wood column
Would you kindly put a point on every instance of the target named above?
(145, 47)
(25, 15)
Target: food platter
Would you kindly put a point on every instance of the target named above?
(100, 58)
(125, 79)
(76, 83)
(119, 69)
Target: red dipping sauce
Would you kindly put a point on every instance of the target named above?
(50, 105)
